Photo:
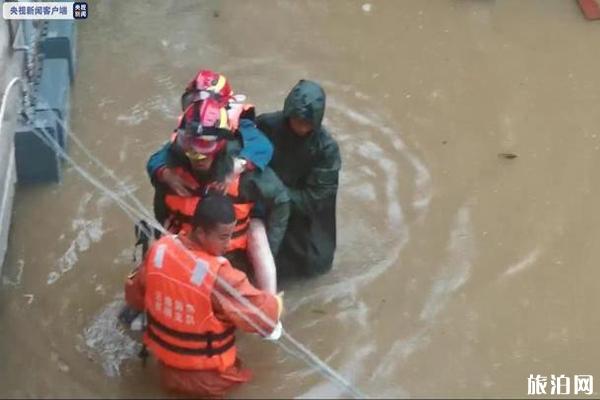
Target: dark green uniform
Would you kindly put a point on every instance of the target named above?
(309, 168)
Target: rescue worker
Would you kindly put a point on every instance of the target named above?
(197, 155)
(307, 159)
(191, 316)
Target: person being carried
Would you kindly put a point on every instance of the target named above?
(194, 301)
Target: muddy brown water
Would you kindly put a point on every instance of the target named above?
(458, 273)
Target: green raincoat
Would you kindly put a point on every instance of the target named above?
(309, 168)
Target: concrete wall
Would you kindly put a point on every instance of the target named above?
(10, 66)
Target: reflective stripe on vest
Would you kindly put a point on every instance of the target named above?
(159, 256)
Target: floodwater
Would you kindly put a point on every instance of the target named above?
(458, 273)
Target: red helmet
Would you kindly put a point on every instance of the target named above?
(204, 127)
(208, 84)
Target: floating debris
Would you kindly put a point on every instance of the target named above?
(62, 366)
(29, 298)
(17, 280)
(508, 156)
(106, 341)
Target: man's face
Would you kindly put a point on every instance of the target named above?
(201, 153)
(203, 164)
(300, 126)
(216, 240)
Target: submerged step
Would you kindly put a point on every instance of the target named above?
(54, 93)
(37, 162)
(60, 42)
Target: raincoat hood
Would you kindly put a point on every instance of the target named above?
(306, 101)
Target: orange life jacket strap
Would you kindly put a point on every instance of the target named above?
(208, 351)
(196, 337)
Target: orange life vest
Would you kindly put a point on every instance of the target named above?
(182, 330)
(234, 113)
(181, 210)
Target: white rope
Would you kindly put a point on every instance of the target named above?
(5, 97)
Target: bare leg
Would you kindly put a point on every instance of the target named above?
(261, 258)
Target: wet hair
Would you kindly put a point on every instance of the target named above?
(212, 210)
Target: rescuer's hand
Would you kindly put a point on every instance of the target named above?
(239, 166)
(175, 182)
(279, 298)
